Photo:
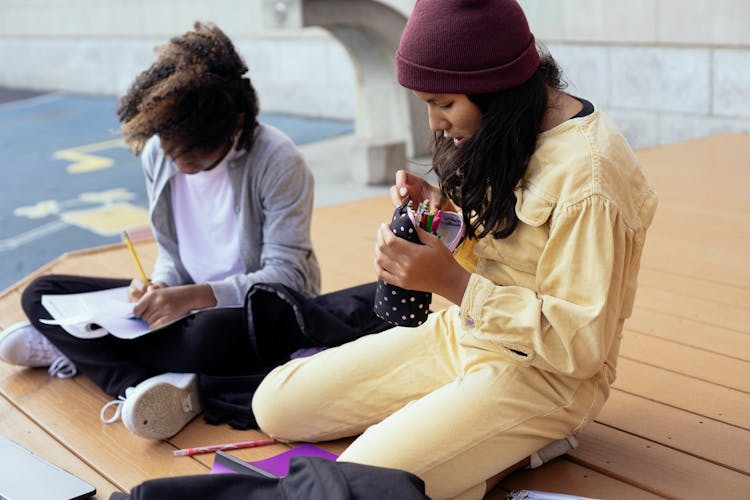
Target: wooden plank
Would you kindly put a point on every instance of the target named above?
(662, 255)
(656, 468)
(698, 224)
(563, 476)
(345, 262)
(732, 318)
(700, 436)
(681, 391)
(724, 370)
(689, 332)
(697, 219)
(695, 286)
(685, 237)
(199, 433)
(69, 411)
(688, 259)
(19, 428)
(692, 171)
(108, 260)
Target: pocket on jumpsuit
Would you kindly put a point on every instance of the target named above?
(514, 260)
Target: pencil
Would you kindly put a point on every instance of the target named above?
(126, 239)
(187, 452)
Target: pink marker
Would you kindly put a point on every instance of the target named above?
(436, 221)
(187, 452)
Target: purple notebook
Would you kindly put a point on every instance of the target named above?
(276, 466)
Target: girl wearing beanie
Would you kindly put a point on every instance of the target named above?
(556, 208)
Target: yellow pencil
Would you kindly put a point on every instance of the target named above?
(126, 238)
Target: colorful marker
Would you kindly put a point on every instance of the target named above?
(436, 221)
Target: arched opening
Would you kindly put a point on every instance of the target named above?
(389, 123)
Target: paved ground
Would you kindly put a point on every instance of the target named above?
(69, 182)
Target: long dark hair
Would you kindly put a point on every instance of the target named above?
(192, 95)
(481, 176)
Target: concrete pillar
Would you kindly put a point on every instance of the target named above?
(390, 123)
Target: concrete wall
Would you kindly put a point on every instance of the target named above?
(99, 46)
(665, 70)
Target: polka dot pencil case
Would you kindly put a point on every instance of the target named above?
(397, 305)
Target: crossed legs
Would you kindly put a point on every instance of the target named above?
(431, 400)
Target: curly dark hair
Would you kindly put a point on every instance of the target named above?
(194, 95)
(481, 176)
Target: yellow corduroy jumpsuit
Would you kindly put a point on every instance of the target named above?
(528, 356)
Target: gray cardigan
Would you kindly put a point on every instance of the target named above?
(273, 198)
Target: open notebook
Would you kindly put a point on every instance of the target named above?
(25, 476)
(90, 315)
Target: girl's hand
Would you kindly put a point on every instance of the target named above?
(138, 288)
(429, 267)
(161, 305)
(416, 188)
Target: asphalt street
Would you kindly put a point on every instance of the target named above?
(68, 180)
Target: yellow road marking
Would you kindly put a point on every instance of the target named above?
(108, 196)
(108, 220)
(81, 159)
(39, 210)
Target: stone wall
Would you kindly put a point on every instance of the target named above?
(665, 70)
(99, 46)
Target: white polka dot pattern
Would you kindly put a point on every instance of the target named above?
(396, 305)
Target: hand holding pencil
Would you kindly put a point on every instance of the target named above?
(139, 286)
(138, 289)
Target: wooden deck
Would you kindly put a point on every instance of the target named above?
(677, 423)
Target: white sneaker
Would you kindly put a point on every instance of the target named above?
(22, 344)
(552, 450)
(159, 407)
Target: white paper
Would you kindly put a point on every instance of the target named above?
(79, 313)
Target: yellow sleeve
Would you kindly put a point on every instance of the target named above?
(584, 276)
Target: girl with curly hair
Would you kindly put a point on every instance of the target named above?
(230, 201)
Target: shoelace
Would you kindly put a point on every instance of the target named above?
(62, 367)
(117, 405)
(41, 349)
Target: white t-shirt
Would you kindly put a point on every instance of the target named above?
(206, 223)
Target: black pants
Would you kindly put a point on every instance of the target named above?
(230, 349)
(213, 342)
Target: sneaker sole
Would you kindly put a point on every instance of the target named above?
(163, 410)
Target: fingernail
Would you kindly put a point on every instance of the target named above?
(402, 191)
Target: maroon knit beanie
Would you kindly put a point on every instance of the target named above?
(466, 47)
